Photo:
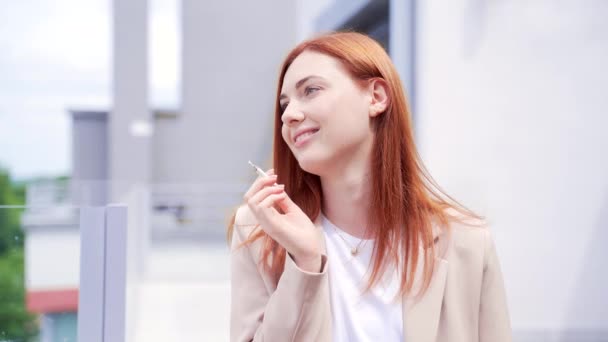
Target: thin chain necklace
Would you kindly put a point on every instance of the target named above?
(353, 250)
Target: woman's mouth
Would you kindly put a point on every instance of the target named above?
(303, 138)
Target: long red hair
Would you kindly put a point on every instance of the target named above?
(405, 200)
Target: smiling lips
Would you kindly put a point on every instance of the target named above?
(303, 136)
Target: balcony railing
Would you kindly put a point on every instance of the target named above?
(192, 210)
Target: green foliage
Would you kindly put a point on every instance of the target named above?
(16, 323)
(11, 234)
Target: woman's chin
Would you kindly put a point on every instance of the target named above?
(312, 165)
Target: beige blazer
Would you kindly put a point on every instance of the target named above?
(465, 302)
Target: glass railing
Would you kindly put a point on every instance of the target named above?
(39, 272)
(151, 266)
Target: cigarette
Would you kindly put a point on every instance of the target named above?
(258, 170)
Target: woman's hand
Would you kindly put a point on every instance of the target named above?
(293, 230)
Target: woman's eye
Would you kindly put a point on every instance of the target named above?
(310, 90)
(282, 106)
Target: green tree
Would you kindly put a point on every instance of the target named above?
(11, 234)
(16, 323)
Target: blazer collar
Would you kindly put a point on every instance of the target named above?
(421, 315)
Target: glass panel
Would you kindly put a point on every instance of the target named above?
(39, 262)
(183, 292)
(175, 256)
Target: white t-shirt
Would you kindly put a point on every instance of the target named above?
(355, 317)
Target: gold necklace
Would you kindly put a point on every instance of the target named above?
(353, 250)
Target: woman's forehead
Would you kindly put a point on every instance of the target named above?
(310, 63)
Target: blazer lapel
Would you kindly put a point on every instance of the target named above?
(421, 317)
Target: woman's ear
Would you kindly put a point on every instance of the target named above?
(378, 89)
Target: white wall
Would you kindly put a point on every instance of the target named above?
(52, 257)
(512, 111)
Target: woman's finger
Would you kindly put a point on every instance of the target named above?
(268, 218)
(257, 198)
(258, 184)
(287, 205)
(271, 199)
(269, 214)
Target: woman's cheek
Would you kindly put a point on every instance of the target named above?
(284, 134)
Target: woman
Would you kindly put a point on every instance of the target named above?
(348, 238)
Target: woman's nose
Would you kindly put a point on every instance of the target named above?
(292, 115)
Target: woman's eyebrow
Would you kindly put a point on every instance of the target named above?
(300, 83)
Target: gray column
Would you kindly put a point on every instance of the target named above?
(89, 157)
(129, 155)
(230, 61)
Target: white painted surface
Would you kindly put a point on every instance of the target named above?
(185, 295)
(52, 258)
(189, 261)
(182, 311)
(512, 120)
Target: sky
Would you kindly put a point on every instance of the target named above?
(56, 56)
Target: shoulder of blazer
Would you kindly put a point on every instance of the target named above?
(469, 241)
(461, 233)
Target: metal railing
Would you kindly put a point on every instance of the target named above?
(192, 210)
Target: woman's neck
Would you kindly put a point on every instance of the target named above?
(346, 200)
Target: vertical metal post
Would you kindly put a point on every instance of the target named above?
(116, 273)
(103, 250)
(92, 269)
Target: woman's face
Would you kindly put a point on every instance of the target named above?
(326, 114)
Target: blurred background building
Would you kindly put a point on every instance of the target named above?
(509, 108)
(181, 170)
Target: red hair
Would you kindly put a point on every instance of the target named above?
(405, 200)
